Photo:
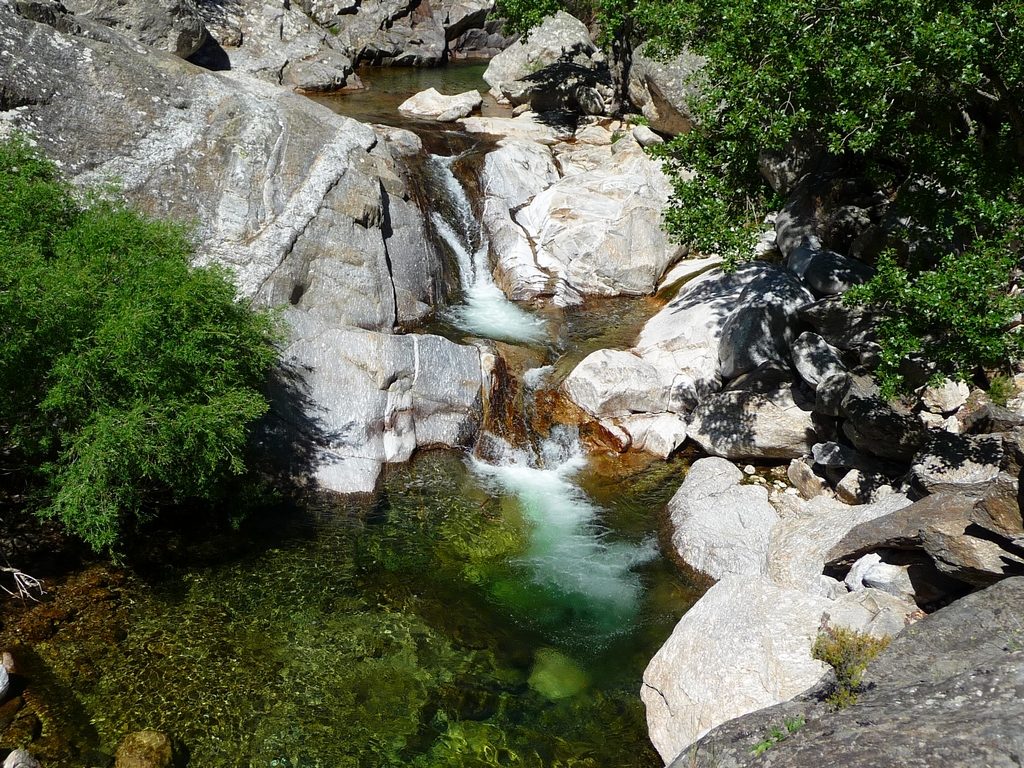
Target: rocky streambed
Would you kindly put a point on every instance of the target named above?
(500, 284)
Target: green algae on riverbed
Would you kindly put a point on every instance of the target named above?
(377, 637)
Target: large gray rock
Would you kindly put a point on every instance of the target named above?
(948, 691)
(379, 397)
(5, 683)
(610, 383)
(565, 86)
(719, 525)
(828, 273)
(433, 105)
(386, 32)
(176, 27)
(600, 232)
(683, 340)
(21, 758)
(841, 325)
(559, 37)
(744, 646)
(305, 208)
(876, 426)
(517, 171)
(664, 90)
(750, 424)
(760, 328)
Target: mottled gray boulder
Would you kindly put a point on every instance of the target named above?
(565, 86)
(609, 383)
(517, 171)
(721, 526)
(814, 358)
(999, 510)
(876, 426)
(948, 691)
(760, 329)
(802, 543)
(841, 325)
(748, 424)
(940, 526)
(600, 232)
(828, 273)
(946, 397)
(951, 463)
(560, 37)
(176, 26)
(664, 90)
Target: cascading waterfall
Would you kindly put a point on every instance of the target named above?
(485, 310)
(590, 584)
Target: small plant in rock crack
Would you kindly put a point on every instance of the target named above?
(777, 735)
(848, 653)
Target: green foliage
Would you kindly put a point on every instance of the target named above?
(777, 735)
(848, 653)
(1001, 389)
(129, 379)
(958, 314)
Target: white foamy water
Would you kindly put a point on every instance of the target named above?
(485, 310)
(569, 553)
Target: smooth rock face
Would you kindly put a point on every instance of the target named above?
(745, 645)
(517, 171)
(664, 90)
(305, 208)
(559, 36)
(144, 749)
(869, 572)
(741, 424)
(430, 104)
(682, 340)
(275, 42)
(175, 27)
(382, 396)
(599, 232)
(948, 691)
(719, 526)
(804, 540)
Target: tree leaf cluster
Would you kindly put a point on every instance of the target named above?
(129, 379)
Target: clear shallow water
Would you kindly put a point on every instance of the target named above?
(430, 629)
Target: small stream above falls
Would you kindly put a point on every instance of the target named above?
(493, 609)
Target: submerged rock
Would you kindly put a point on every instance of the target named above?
(144, 749)
(555, 676)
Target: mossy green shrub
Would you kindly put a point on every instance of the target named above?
(128, 379)
(848, 652)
